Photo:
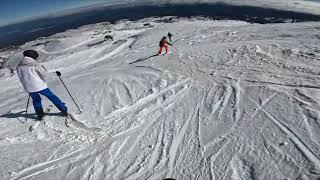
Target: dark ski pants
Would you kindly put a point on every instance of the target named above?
(36, 99)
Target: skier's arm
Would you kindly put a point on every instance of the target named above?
(169, 43)
(40, 74)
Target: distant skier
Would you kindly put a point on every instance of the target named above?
(163, 44)
(32, 78)
(169, 36)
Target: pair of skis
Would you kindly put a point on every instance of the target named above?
(69, 119)
(70, 122)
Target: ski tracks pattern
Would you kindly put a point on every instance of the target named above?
(240, 111)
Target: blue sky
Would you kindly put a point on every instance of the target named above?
(16, 10)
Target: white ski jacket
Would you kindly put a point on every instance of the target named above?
(31, 76)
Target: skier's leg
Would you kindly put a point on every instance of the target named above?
(55, 100)
(36, 100)
(160, 50)
(166, 47)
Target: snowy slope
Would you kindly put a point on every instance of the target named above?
(232, 101)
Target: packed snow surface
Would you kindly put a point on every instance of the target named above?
(231, 101)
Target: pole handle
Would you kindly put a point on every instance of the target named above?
(58, 73)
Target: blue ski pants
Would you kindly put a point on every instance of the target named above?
(36, 99)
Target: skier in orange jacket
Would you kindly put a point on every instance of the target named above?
(164, 44)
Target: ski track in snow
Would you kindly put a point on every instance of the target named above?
(232, 101)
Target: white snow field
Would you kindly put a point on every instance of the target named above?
(231, 101)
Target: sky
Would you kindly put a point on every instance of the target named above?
(12, 11)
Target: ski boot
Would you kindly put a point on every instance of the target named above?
(40, 114)
(63, 112)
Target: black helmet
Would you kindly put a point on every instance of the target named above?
(31, 53)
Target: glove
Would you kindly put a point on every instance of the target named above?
(58, 73)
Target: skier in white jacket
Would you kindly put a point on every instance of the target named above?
(33, 81)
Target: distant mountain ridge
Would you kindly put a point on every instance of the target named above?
(20, 33)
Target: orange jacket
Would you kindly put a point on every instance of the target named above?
(163, 42)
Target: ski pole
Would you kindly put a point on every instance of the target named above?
(175, 48)
(44, 68)
(27, 108)
(59, 75)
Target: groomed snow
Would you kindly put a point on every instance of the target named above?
(232, 101)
